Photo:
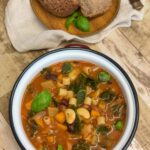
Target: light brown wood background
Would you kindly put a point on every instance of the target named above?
(130, 47)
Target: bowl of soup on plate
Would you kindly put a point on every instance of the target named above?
(74, 99)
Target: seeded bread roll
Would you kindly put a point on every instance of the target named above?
(92, 8)
(53, 22)
(60, 8)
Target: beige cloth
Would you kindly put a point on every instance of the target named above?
(26, 32)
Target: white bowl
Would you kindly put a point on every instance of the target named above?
(82, 53)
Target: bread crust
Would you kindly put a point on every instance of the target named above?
(93, 8)
(56, 23)
(60, 8)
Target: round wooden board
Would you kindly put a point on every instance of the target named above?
(57, 23)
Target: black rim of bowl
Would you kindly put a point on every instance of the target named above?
(83, 49)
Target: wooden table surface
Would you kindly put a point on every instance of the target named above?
(130, 47)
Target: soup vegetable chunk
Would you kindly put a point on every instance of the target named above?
(73, 105)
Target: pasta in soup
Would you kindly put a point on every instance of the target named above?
(73, 105)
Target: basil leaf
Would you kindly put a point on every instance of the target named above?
(41, 101)
(67, 68)
(82, 23)
(71, 19)
(103, 76)
(81, 96)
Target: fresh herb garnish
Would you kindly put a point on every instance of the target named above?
(71, 19)
(80, 22)
(41, 101)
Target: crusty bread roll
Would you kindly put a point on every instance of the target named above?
(58, 23)
(92, 8)
(60, 8)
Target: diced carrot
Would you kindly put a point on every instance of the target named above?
(61, 126)
(102, 105)
(51, 139)
(69, 145)
(60, 117)
(28, 105)
(95, 113)
(60, 77)
(39, 122)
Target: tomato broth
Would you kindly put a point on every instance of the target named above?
(73, 105)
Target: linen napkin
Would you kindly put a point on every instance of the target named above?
(26, 32)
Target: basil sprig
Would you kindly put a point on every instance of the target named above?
(80, 22)
(41, 101)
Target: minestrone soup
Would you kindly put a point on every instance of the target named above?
(74, 105)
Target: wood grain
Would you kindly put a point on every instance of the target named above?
(121, 50)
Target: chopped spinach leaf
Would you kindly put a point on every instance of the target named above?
(46, 73)
(66, 68)
(32, 126)
(103, 129)
(81, 96)
(55, 102)
(81, 145)
(76, 126)
(92, 83)
(30, 114)
(82, 82)
(108, 95)
(74, 87)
